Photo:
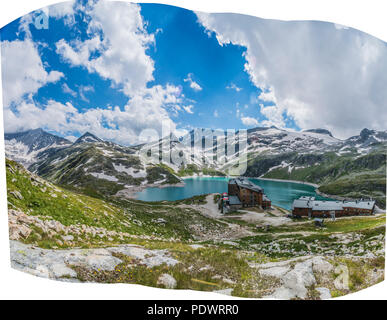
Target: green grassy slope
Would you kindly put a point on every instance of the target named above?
(36, 197)
(346, 175)
(72, 168)
(192, 169)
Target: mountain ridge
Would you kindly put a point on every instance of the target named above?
(88, 137)
(26, 147)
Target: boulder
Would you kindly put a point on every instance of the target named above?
(13, 232)
(282, 293)
(160, 220)
(295, 282)
(17, 231)
(277, 272)
(167, 281)
(325, 293)
(68, 238)
(342, 280)
(101, 261)
(60, 270)
(321, 265)
(17, 194)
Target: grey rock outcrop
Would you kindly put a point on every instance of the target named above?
(167, 281)
(56, 264)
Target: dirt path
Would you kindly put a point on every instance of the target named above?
(261, 218)
(210, 209)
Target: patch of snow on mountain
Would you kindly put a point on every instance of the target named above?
(17, 151)
(161, 181)
(324, 137)
(20, 152)
(103, 176)
(363, 150)
(60, 160)
(135, 173)
(105, 152)
(283, 164)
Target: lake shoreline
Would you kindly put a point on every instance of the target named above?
(131, 193)
(335, 197)
(203, 176)
(285, 180)
(281, 192)
(259, 178)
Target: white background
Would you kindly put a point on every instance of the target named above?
(366, 15)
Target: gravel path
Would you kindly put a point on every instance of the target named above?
(210, 209)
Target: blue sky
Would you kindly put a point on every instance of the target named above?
(215, 68)
(116, 69)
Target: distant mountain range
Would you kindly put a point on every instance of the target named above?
(353, 167)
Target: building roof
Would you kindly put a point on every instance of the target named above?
(327, 205)
(302, 203)
(323, 205)
(247, 184)
(367, 204)
(234, 200)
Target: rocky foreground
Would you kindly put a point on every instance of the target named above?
(307, 277)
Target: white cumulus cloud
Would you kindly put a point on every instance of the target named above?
(194, 85)
(23, 71)
(63, 10)
(67, 89)
(122, 125)
(115, 50)
(321, 76)
(268, 96)
(250, 122)
(118, 35)
(233, 86)
(188, 108)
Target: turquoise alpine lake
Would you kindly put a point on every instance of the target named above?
(281, 193)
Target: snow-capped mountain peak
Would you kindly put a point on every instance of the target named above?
(367, 138)
(88, 138)
(320, 131)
